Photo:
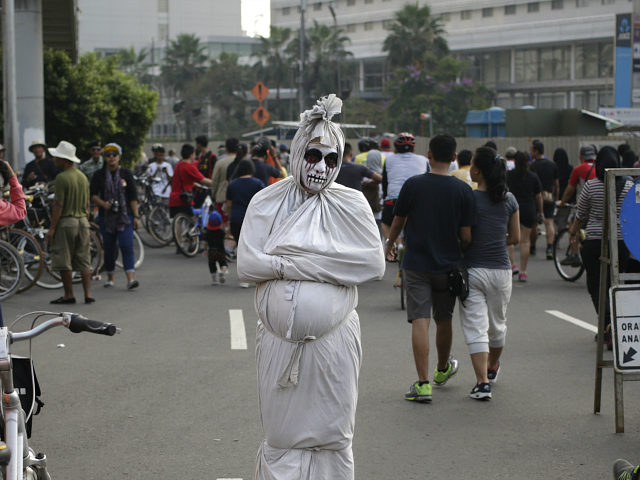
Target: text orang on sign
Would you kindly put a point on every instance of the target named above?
(261, 115)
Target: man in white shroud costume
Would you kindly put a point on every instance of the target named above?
(307, 242)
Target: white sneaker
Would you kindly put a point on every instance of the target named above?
(108, 284)
(221, 277)
(243, 285)
(214, 279)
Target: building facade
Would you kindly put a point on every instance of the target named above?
(549, 54)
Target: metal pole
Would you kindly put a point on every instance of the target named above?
(301, 93)
(430, 125)
(10, 89)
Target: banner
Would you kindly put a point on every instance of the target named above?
(623, 36)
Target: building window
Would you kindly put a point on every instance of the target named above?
(587, 61)
(163, 32)
(557, 4)
(317, 6)
(163, 6)
(351, 27)
(286, 11)
(386, 24)
(526, 65)
(605, 60)
(465, 15)
(582, 3)
(533, 7)
(373, 75)
(510, 10)
(555, 63)
(368, 25)
(487, 12)
(445, 17)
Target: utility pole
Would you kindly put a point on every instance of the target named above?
(335, 26)
(11, 134)
(301, 92)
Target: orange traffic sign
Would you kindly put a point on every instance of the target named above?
(260, 91)
(261, 116)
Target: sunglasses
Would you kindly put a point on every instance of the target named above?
(313, 156)
(110, 154)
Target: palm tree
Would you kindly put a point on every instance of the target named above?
(413, 33)
(274, 62)
(184, 64)
(133, 62)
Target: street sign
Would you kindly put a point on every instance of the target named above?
(260, 91)
(625, 324)
(630, 220)
(261, 116)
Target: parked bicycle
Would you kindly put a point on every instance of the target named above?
(154, 213)
(18, 461)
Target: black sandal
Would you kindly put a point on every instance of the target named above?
(62, 300)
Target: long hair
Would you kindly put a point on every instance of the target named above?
(522, 164)
(561, 159)
(241, 152)
(608, 157)
(494, 172)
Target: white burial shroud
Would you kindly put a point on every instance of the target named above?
(307, 253)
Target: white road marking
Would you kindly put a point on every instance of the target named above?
(575, 321)
(238, 333)
(229, 479)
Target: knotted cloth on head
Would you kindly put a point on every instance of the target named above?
(315, 124)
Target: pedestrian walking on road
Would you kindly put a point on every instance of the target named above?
(437, 212)
(113, 189)
(307, 243)
(214, 250)
(483, 314)
(69, 233)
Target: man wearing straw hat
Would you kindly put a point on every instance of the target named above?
(39, 170)
(69, 231)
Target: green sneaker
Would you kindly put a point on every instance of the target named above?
(419, 393)
(623, 470)
(440, 378)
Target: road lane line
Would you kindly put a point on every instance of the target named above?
(575, 321)
(228, 479)
(238, 333)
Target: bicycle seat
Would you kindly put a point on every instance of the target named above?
(5, 454)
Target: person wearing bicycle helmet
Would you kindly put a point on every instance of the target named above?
(308, 242)
(399, 167)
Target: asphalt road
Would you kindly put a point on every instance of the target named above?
(169, 398)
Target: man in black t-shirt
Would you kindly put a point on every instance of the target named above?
(262, 169)
(352, 174)
(547, 171)
(437, 212)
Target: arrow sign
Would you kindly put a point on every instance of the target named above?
(628, 355)
(260, 91)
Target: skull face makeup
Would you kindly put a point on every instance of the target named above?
(319, 162)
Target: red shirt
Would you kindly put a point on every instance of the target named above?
(580, 173)
(184, 176)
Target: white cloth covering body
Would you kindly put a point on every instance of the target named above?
(307, 253)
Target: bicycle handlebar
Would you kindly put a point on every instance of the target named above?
(79, 324)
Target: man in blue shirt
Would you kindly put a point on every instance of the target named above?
(437, 212)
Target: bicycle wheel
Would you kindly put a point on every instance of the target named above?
(159, 225)
(49, 279)
(561, 253)
(186, 234)
(138, 252)
(32, 257)
(11, 269)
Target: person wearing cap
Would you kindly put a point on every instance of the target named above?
(113, 190)
(215, 251)
(364, 145)
(385, 145)
(510, 157)
(580, 174)
(41, 169)
(95, 162)
(69, 233)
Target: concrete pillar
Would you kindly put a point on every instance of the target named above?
(29, 76)
(9, 73)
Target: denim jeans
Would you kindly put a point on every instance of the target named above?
(110, 243)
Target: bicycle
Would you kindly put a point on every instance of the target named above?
(11, 269)
(568, 264)
(31, 253)
(18, 461)
(154, 213)
(189, 229)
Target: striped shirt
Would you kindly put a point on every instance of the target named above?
(591, 207)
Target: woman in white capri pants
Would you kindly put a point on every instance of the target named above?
(484, 313)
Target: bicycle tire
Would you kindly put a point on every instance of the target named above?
(48, 280)
(138, 252)
(159, 225)
(32, 257)
(561, 249)
(11, 270)
(183, 234)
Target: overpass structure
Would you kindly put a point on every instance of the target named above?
(28, 26)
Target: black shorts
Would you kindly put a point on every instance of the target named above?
(387, 211)
(527, 217)
(548, 208)
(428, 296)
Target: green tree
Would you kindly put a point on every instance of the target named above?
(94, 100)
(413, 32)
(274, 66)
(184, 65)
(135, 63)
